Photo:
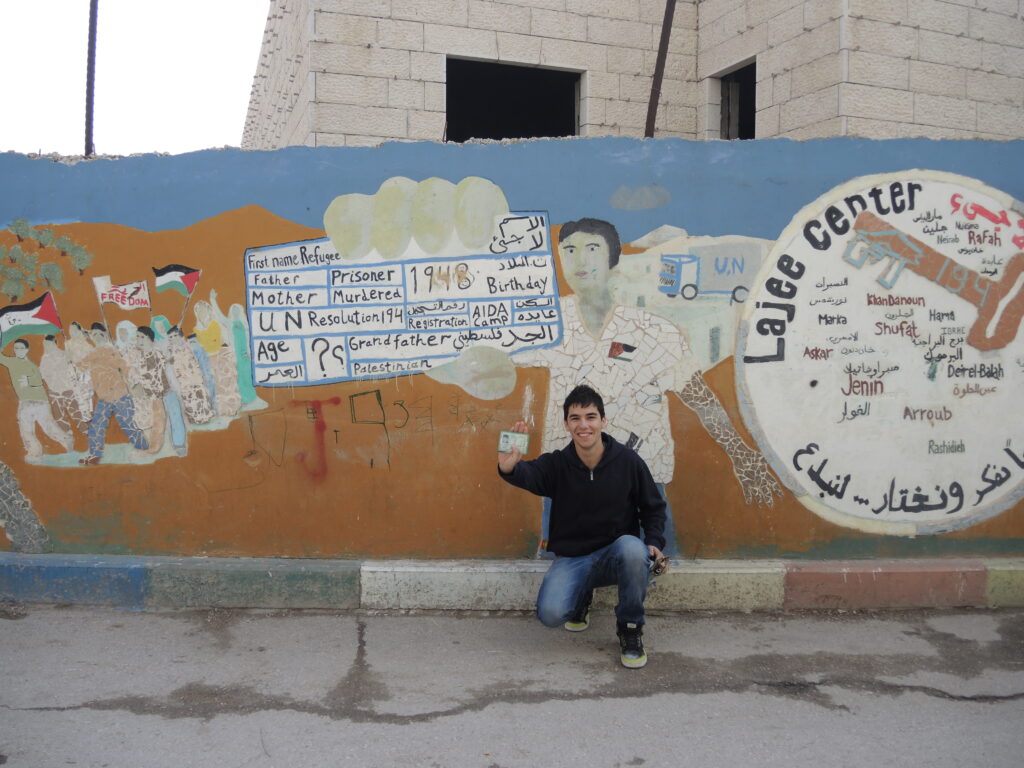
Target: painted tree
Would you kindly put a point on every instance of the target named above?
(25, 268)
(51, 274)
(12, 282)
(80, 258)
(45, 237)
(21, 229)
(19, 272)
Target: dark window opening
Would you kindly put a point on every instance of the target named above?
(499, 101)
(739, 103)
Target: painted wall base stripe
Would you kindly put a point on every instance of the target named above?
(770, 585)
(886, 584)
(76, 580)
(1005, 588)
(452, 584)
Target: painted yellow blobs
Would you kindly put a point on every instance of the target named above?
(391, 228)
(477, 203)
(433, 214)
(347, 223)
(442, 218)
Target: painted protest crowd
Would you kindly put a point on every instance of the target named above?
(156, 382)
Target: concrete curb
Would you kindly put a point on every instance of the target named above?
(152, 583)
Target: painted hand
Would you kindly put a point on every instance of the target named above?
(758, 483)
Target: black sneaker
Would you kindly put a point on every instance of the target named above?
(631, 644)
(581, 619)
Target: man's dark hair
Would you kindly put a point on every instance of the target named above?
(595, 227)
(582, 396)
(146, 331)
(20, 341)
(49, 337)
(99, 327)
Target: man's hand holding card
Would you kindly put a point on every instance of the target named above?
(512, 444)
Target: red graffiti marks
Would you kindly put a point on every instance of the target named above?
(972, 210)
(1000, 304)
(317, 468)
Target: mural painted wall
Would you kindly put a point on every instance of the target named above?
(312, 353)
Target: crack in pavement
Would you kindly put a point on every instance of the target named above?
(806, 677)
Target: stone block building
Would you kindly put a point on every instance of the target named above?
(362, 72)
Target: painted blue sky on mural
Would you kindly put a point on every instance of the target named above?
(749, 188)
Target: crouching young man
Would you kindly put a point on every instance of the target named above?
(603, 499)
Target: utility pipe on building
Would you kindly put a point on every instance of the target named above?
(90, 78)
(659, 67)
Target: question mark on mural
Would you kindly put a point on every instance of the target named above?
(338, 354)
(320, 359)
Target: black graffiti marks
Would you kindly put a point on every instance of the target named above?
(276, 456)
(994, 476)
(896, 198)
(849, 414)
(911, 498)
(520, 233)
(368, 408)
(916, 501)
(772, 325)
(948, 500)
(422, 415)
(469, 417)
(836, 488)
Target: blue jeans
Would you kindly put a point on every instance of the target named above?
(625, 562)
(122, 409)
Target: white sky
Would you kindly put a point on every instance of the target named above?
(171, 75)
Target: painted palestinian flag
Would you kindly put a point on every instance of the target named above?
(37, 317)
(621, 351)
(177, 278)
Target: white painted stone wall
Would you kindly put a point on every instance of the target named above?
(360, 72)
(282, 97)
(376, 68)
(874, 68)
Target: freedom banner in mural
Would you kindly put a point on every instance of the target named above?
(317, 318)
(880, 359)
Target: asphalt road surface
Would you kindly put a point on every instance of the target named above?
(103, 687)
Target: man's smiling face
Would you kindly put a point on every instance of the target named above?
(584, 261)
(584, 425)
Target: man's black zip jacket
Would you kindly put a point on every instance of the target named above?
(592, 508)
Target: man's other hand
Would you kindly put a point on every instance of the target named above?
(659, 563)
(507, 461)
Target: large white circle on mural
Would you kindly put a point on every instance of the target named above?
(879, 359)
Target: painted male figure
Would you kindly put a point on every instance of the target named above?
(33, 403)
(108, 370)
(635, 357)
(603, 499)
